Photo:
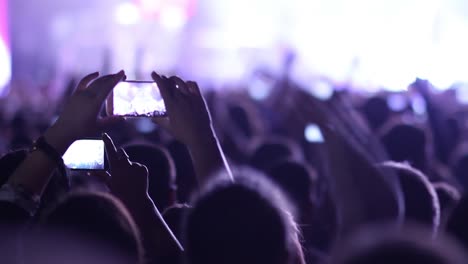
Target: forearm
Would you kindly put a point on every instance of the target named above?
(208, 158)
(35, 171)
(363, 200)
(158, 239)
(441, 137)
(361, 192)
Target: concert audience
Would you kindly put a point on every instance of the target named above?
(238, 180)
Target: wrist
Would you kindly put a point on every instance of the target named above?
(58, 139)
(203, 139)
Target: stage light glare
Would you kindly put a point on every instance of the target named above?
(5, 55)
(322, 90)
(144, 125)
(127, 14)
(260, 88)
(462, 94)
(173, 18)
(313, 134)
(5, 67)
(397, 102)
(418, 105)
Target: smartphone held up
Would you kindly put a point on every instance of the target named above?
(136, 99)
(85, 154)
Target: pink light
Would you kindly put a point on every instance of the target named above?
(3, 22)
(5, 57)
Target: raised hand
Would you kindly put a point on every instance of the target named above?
(422, 87)
(129, 180)
(362, 193)
(80, 116)
(188, 117)
(129, 183)
(189, 121)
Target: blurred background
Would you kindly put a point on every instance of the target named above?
(365, 46)
(372, 43)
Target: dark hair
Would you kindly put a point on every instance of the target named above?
(97, 217)
(295, 179)
(460, 170)
(376, 112)
(174, 216)
(421, 201)
(406, 143)
(186, 178)
(270, 151)
(408, 245)
(241, 222)
(456, 224)
(240, 117)
(162, 177)
(447, 194)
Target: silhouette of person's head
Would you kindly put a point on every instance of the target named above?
(241, 120)
(460, 170)
(376, 112)
(448, 196)
(406, 143)
(162, 174)
(241, 222)
(421, 201)
(174, 216)
(298, 182)
(273, 150)
(456, 223)
(237, 123)
(406, 246)
(99, 218)
(186, 179)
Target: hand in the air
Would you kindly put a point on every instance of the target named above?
(188, 118)
(129, 180)
(80, 116)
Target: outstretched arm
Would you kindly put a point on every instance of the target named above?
(361, 192)
(443, 138)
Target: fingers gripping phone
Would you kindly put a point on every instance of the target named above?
(85, 154)
(136, 99)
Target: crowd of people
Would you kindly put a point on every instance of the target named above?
(225, 178)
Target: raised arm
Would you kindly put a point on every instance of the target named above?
(129, 183)
(189, 121)
(361, 192)
(443, 138)
(79, 119)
